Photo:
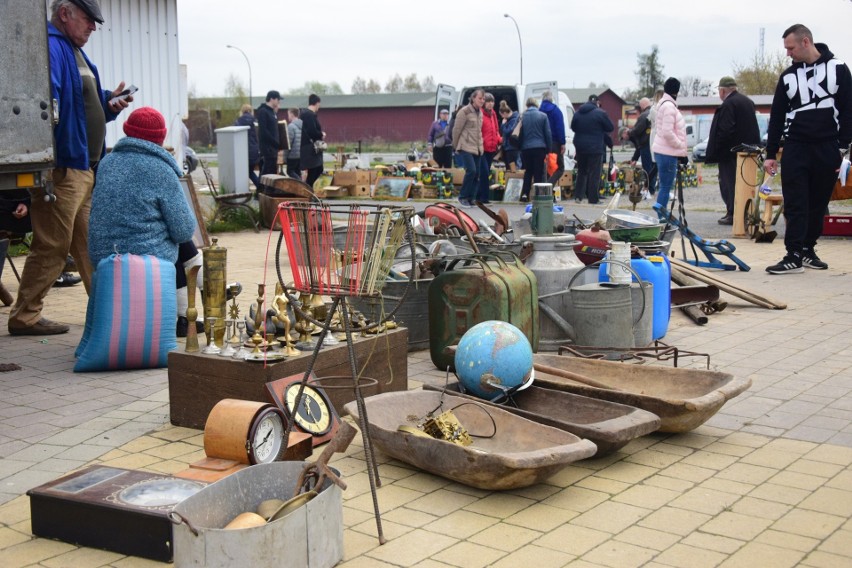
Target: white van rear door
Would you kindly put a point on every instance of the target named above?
(536, 90)
(445, 98)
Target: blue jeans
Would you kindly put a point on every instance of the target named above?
(667, 169)
(650, 168)
(472, 165)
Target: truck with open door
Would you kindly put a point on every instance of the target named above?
(27, 111)
(448, 97)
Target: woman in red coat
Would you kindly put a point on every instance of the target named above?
(491, 138)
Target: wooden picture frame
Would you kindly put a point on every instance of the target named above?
(392, 188)
(199, 236)
(514, 186)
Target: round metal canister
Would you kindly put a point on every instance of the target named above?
(602, 316)
(554, 264)
(215, 285)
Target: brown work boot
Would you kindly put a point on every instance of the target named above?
(42, 327)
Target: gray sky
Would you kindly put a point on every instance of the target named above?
(468, 43)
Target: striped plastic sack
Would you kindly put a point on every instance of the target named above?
(130, 319)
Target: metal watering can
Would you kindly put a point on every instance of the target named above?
(602, 313)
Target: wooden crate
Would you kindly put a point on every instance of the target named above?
(197, 382)
(359, 191)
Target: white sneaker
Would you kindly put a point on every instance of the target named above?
(646, 195)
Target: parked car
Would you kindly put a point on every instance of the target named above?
(699, 152)
(190, 161)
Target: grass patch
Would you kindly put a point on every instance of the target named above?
(232, 220)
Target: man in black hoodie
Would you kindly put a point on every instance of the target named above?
(812, 111)
(267, 133)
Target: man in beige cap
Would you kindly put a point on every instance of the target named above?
(84, 108)
(734, 123)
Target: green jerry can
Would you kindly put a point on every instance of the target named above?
(477, 288)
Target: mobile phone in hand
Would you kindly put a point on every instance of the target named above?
(126, 93)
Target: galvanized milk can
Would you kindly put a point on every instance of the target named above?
(554, 264)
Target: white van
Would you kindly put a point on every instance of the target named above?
(447, 97)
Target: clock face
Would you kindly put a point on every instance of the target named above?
(268, 437)
(314, 414)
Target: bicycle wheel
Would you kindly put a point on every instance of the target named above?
(751, 219)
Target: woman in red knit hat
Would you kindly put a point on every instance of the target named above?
(138, 204)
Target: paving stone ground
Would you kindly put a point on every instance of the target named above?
(765, 482)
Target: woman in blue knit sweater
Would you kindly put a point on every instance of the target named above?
(138, 205)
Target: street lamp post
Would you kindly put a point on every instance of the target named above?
(249, 67)
(520, 44)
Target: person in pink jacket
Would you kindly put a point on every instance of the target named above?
(669, 144)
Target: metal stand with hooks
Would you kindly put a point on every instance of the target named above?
(318, 270)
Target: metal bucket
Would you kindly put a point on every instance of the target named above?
(602, 316)
(311, 536)
(413, 314)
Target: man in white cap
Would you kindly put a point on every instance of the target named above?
(84, 109)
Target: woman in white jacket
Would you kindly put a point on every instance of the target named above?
(669, 143)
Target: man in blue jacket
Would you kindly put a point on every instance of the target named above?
(62, 226)
(557, 131)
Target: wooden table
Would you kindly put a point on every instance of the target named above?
(197, 382)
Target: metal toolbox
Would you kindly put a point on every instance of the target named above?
(477, 288)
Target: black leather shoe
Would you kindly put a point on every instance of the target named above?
(66, 279)
(726, 220)
(182, 327)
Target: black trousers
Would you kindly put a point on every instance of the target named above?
(533, 159)
(268, 161)
(727, 183)
(294, 168)
(443, 156)
(313, 175)
(588, 176)
(807, 180)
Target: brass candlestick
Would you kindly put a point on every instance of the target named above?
(191, 311)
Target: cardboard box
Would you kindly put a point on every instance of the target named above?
(567, 180)
(349, 178)
(360, 190)
(333, 192)
(458, 175)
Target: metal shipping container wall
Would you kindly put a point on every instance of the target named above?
(138, 44)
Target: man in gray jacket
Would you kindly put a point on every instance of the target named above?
(294, 132)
